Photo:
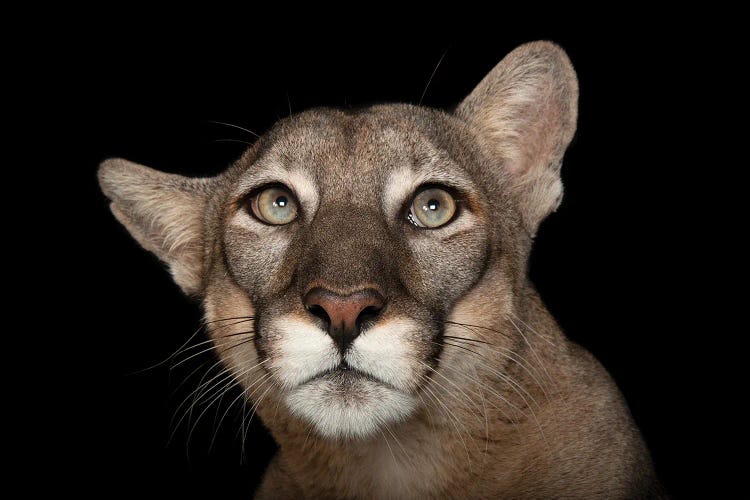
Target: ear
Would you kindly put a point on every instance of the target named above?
(524, 115)
(163, 212)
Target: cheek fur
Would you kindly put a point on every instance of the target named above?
(446, 264)
(258, 257)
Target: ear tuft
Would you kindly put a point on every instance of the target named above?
(163, 212)
(524, 115)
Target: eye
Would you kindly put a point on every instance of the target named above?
(431, 208)
(274, 205)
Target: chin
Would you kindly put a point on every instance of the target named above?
(345, 404)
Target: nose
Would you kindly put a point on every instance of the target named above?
(344, 314)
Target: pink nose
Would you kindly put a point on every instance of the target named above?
(344, 314)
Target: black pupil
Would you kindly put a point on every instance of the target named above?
(281, 201)
(433, 205)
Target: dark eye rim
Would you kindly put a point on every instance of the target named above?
(453, 192)
(247, 202)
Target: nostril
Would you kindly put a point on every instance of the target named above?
(344, 315)
(317, 310)
(368, 313)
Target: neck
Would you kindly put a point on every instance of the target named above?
(409, 457)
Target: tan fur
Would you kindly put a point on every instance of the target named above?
(530, 119)
(493, 400)
(162, 212)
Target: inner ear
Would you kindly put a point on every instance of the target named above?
(163, 212)
(523, 114)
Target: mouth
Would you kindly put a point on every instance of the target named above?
(345, 378)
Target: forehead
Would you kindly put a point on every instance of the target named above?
(340, 153)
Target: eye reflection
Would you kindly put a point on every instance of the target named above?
(431, 208)
(274, 205)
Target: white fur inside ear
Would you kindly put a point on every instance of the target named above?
(542, 195)
(300, 351)
(163, 212)
(358, 412)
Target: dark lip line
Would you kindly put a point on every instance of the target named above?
(346, 367)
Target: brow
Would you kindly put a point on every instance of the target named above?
(402, 182)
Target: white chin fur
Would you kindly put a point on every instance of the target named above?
(355, 410)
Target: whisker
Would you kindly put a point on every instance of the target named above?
(505, 377)
(191, 337)
(516, 387)
(476, 326)
(221, 394)
(516, 358)
(234, 126)
(403, 450)
(198, 368)
(170, 356)
(533, 352)
(229, 380)
(254, 408)
(243, 429)
(458, 346)
(428, 407)
(223, 373)
(212, 340)
(454, 420)
(432, 76)
(226, 376)
(395, 462)
(467, 339)
(223, 386)
(309, 430)
(233, 140)
(503, 399)
(468, 398)
(500, 351)
(486, 421)
(543, 337)
(228, 319)
(207, 350)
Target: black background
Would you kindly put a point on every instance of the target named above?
(609, 264)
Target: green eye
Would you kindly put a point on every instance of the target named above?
(274, 205)
(431, 208)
